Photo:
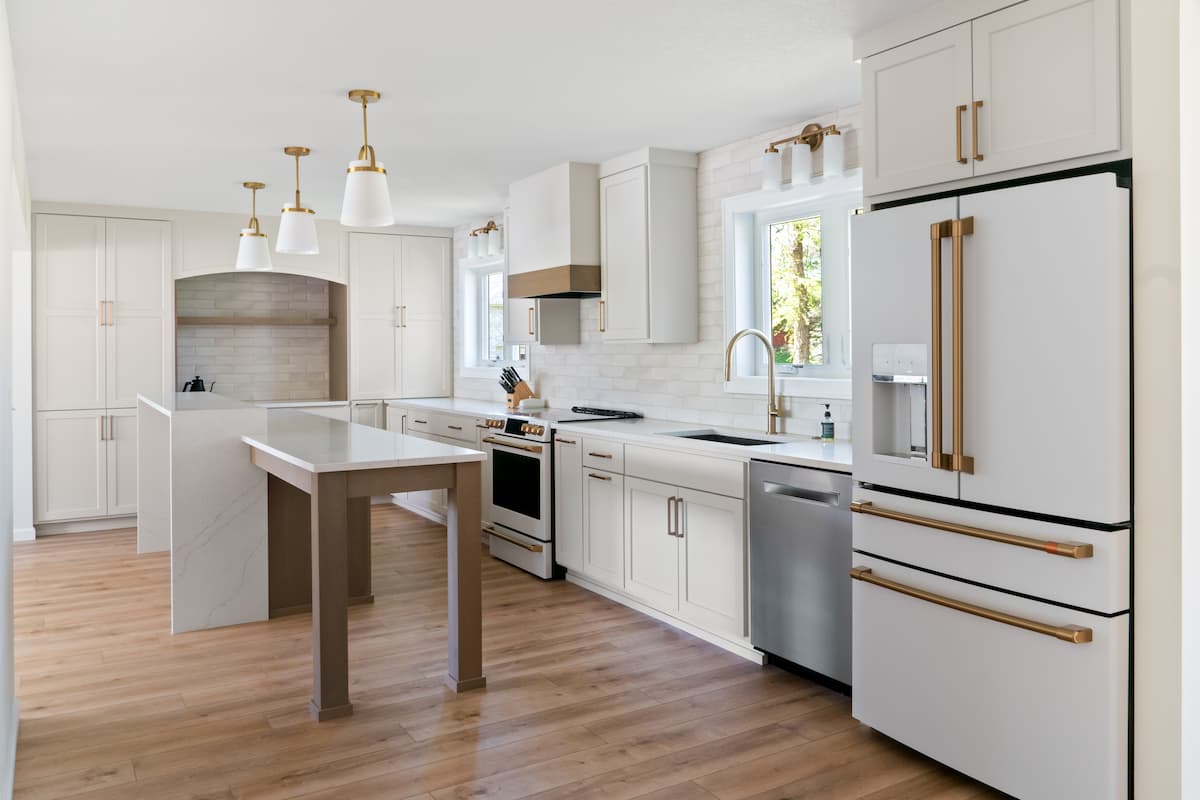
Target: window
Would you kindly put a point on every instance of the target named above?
(787, 273)
(484, 349)
(491, 315)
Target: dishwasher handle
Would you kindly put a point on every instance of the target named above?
(801, 494)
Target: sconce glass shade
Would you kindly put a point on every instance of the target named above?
(253, 251)
(297, 232)
(367, 202)
(772, 170)
(494, 243)
(834, 154)
(472, 246)
(802, 164)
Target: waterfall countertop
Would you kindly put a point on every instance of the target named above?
(191, 401)
(320, 444)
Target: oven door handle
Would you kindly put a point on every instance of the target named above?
(533, 548)
(528, 448)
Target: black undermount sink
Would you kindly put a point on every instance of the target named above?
(712, 436)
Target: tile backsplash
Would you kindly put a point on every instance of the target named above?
(254, 362)
(675, 382)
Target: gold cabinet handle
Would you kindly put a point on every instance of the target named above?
(403, 316)
(528, 448)
(101, 420)
(112, 432)
(1067, 549)
(101, 313)
(978, 156)
(958, 229)
(564, 441)
(533, 548)
(530, 321)
(600, 455)
(111, 313)
(600, 477)
(670, 516)
(420, 422)
(958, 120)
(601, 316)
(678, 529)
(454, 427)
(1066, 633)
(937, 232)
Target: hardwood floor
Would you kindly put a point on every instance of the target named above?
(585, 698)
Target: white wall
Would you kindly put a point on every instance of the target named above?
(675, 382)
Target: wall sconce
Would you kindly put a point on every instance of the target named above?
(814, 136)
(485, 241)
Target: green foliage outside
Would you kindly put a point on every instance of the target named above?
(796, 291)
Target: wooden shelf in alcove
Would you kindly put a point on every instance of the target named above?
(313, 321)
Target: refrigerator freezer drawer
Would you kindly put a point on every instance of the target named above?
(1023, 711)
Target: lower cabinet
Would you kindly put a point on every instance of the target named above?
(367, 412)
(604, 527)
(86, 464)
(651, 544)
(568, 503)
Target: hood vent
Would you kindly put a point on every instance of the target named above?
(571, 280)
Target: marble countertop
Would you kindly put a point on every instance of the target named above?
(190, 401)
(320, 444)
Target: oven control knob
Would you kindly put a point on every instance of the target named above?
(526, 428)
(538, 430)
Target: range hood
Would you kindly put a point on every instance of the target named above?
(553, 236)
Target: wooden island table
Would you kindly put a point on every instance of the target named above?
(340, 466)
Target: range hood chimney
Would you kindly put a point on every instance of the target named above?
(554, 233)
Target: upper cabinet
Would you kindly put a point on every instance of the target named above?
(1035, 83)
(649, 279)
(208, 244)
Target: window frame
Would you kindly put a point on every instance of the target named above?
(473, 298)
(746, 272)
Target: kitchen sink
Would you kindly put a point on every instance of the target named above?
(722, 438)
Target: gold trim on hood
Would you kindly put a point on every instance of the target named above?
(571, 280)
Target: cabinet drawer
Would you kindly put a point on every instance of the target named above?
(718, 475)
(603, 454)
(1099, 582)
(1011, 707)
(454, 427)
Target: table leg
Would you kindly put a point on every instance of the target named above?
(330, 577)
(465, 602)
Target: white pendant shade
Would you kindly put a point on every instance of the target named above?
(253, 251)
(297, 232)
(772, 170)
(367, 202)
(802, 161)
(834, 150)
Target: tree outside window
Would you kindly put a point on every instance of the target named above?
(795, 264)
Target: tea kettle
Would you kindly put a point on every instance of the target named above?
(194, 385)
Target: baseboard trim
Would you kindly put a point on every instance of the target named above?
(737, 648)
(432, 516)
(24, 534)
(8, 773)
(86, 525)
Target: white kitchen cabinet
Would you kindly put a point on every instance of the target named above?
(72, 465)
(429, 503)
(121, 461)
(367, 412)
(712, 562)
(1035, 83)
(651, 543)
(400, 336)
(568, 502)
(648, 248)
(137, 281)
(1047, 73)
(604, 527)
(916, 111)
(549, 320)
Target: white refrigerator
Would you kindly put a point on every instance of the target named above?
(992, 460)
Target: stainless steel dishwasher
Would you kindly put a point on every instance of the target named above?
(800, 566)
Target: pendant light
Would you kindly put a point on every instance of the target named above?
(367, 202)
(253, 251)
(297, 224)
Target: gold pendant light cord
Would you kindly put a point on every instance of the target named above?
(254, 210)
(366, 152)
(298, 182)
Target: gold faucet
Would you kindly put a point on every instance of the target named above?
(772, 402)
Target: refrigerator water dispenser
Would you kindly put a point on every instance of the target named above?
(899, 378)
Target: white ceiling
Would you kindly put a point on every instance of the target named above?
(172, 104)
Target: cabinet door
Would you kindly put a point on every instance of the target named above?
(137, 277)
(367, 413)
(604, 527)
(1046, 305)
(374, 314)
(520, 322)
(425, 336)
(121, 457)
(1048, 75)
(651, 549)
(568, 503)
(71, 465)
(712, 562)
(915, 98)
(70, 331)
(624, 256)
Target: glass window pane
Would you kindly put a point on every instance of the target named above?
(795, 264)
(493, 312)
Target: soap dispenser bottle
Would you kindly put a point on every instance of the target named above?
(827, 425)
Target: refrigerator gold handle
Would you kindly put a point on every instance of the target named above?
(937, 232)
(1073, 634)
(978, 156)
(958, 229)
(1066, 549)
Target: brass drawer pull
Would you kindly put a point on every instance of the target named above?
(1068, 549)
(454, 427)
(600, 316)
(533, 548)
(420, 422)
(978, 104)
(1066, 633)
(600, 477)
(958, 119)
(530, 322)
(565, 441)
(600, 455)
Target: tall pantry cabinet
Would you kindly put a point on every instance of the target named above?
(100, 290)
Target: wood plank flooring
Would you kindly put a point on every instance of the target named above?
(585, 698)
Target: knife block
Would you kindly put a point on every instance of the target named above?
(520, 392)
